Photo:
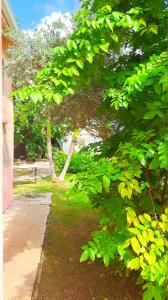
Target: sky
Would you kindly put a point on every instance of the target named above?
(29, 13)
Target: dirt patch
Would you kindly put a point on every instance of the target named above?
(63, 276)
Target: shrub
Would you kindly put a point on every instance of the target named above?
(80, 162)
(59, 158)
(133, 230)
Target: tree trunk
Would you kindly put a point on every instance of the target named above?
(70, 152)
(49, 149)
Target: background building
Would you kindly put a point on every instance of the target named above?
(6, 107)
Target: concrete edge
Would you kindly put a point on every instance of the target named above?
(40, 265)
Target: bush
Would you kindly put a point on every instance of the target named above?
(59, 158)
(80, 162)
(132, 233)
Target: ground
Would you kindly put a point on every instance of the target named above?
(70, 225)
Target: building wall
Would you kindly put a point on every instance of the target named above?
(84, 139)
(1, 160)
(8, 130)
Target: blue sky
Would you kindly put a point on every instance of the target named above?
(29, 12)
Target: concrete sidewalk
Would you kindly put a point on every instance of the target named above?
(25, 171)
(24, 229)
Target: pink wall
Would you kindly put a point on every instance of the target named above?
(8, 130)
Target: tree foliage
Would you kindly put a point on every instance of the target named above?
(31, 50)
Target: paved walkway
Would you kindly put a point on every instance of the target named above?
(24, 171)
(24, 229)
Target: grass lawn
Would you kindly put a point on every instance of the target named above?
(63, 276)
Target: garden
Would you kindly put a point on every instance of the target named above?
(107, 233)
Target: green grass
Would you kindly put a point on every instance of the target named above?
(73, 207)
(44, 185)
(69, 209)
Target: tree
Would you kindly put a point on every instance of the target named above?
(30, 52)
(70, 63)
(70, 152)
(81, 112)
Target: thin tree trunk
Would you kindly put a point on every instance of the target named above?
(70, 153)
(49, 149)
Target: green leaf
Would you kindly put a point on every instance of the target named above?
(125, 244)
(92, 255)
(150, 115)
(98, 186)
(69, 45)
(134, 264)
(75, 71)
(135, 245)
(85, 255)
(89, 57)
(106, 183)
(114, 37)
(109, 24)
(36, 97)
(137, 188)
(153, 28)
(69, 91)
(153, 292)
(148, 294)
(95, 24)
(93, 190)
(88, 45)
(105, 47)
(161, 281)
(80, 63)
(66, 72)
(160, 114)
(106, 259)
(136, 25)
(71, 60)
(107, 8)
(57, 98)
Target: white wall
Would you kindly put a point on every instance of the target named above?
(84, 139)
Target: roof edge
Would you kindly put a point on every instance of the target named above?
(9, 14)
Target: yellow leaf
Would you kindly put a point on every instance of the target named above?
(147, 217)
(142, 240)
(135, 245)
(150, 258)
(121, 186)
(134, 264)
